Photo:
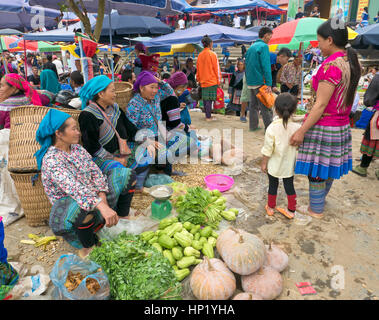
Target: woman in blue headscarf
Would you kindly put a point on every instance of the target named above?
(83, 198)
(99, 121)
(49, 81)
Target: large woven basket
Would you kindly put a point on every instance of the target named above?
(124, 92)
(22, 141)
(33, 199)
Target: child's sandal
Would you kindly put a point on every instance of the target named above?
(286, 213)
(268, 211)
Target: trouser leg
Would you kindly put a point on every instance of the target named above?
(208, 108)
(85, 229)
(291, 193)
(366, 160)
(254, 111)
(273, 184)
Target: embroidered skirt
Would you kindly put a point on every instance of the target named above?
(370, 146)
(326, 152)
(65, 211)
(209, 93)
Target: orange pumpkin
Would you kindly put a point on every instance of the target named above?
(276, 258)
(243, 252)
(267, 283)
(212, 280)
(247, 296)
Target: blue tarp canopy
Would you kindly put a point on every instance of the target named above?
(240, 5)
(62, 34)
(129, 7)
(218, 33)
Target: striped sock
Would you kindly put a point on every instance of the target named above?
(317, 196)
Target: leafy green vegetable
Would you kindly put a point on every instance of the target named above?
(300, 112)
(200, 206)
(136, 270)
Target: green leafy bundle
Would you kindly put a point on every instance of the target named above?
(200, 206)
(136, 270)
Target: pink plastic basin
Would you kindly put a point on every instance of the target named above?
(220, 182)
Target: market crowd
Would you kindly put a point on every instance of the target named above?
(92, 183)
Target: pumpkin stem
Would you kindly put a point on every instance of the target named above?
(210, 268)
(236, 231)
(261, 271)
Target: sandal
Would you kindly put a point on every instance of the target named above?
(268, 211)
(286, 213)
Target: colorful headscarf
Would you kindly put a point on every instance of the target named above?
(177, 79)
(51, 122)
(144, 79)
(21, 84)
(92, 87)
(49, 81)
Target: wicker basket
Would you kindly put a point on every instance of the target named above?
(22, 141)
(33, 199)
(124, 92)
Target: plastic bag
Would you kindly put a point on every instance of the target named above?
(135, 227)
(87, 268)
(219, 103)
(30, 286)
(157, 179)
(10, 205)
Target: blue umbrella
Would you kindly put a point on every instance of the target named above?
(218, 34)
(128, 25)
(367, 36)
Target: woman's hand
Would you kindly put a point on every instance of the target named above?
(151, 150)
(297, 138)
(110, 216)
(264, 164)
(182, 105)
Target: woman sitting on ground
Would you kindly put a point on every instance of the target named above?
(172, 110)
(99, 136)
(15, 91)
(144, 110)
(82, 198)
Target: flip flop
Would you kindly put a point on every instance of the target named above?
(269, 213)
(286, 213)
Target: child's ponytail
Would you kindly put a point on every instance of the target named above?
(285, 106)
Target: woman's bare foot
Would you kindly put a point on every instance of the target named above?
(84, 252)
(211, 119)
(308, 211)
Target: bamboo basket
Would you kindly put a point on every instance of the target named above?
(22, 141)
(33, 199)
(124, 92)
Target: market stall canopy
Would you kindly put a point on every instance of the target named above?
(129, 25)
(18, 14)
(40, 46)
(292, 33)
(65, 34)
(367, 36)
(129, 7)
(217, 33)
(240, 6)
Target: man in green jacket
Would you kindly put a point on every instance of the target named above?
(258, 73)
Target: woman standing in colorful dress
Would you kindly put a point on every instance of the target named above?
(370, 141)
(324, 139)
(83, 198)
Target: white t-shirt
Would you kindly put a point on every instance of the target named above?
(182, 24)
(59, 66)
(248, 20)
(72, 63)
(237, 22)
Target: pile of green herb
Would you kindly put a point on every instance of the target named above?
(200, 206)
(136, 270)
(300, 112)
